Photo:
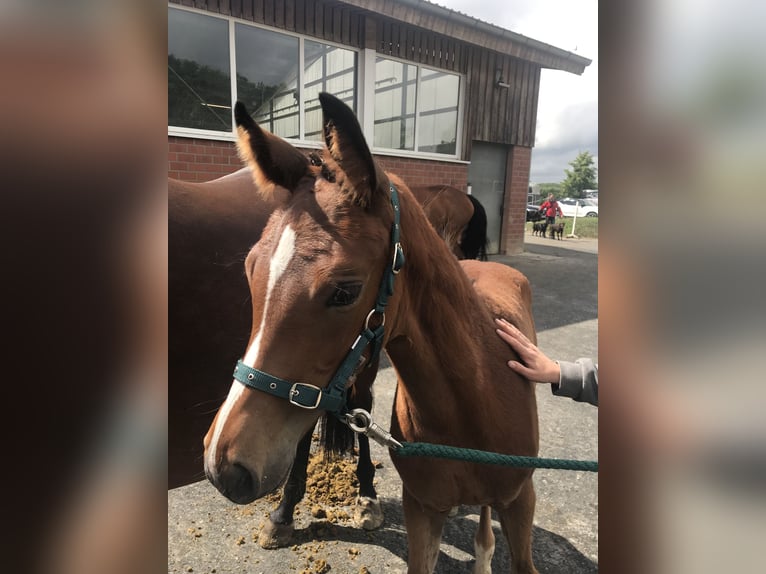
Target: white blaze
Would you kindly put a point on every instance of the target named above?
(277, 266)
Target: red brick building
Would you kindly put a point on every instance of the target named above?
(442, 97)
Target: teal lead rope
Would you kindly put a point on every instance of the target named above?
(480, 456)
(361, 421)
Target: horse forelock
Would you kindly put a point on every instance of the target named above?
(351, 184)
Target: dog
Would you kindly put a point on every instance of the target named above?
(557, 231)
(539, 228)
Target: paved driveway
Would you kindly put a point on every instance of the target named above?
(207, 533)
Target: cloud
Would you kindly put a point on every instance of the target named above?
(571, 130)
(567, 113)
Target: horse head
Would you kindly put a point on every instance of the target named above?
(316, 278)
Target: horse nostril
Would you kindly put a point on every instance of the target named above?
(243, 479)
(238, 483)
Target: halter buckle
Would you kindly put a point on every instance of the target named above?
(294, 392)
(398, 260)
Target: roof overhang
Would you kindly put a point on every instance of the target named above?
(464, 28)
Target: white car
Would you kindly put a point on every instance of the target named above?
(583, 207)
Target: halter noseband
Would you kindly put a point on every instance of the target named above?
(333, 398)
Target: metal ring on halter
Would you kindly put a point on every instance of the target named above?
(370, 314)
(354, 416)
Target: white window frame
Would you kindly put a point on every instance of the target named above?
(179, 131)
(415, 153)
(364, 97)
(211, 134)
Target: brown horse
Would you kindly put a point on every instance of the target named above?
(326, 258)
(212, 227)
(459, 218)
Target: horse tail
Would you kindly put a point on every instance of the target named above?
(474, 242)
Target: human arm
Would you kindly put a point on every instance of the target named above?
(578, 380)
(535, 365)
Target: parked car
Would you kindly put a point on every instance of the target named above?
(583, 207)
(533, 212)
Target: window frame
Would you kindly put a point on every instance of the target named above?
(218, 135)
(363, 92)
(418, 100)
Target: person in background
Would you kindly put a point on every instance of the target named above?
(578, 380)
(550, 208)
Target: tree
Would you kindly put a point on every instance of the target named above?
(554, 188)
(581, 177)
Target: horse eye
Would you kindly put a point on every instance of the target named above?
(345, 294)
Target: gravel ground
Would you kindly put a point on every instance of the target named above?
(209, 534)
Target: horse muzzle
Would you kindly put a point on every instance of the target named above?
(235, 482)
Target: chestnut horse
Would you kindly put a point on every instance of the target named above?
(459, 218)
(327, 274)
(212, 226)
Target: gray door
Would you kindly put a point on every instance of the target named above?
(486, 174)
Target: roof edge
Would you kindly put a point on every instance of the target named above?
(476, 32)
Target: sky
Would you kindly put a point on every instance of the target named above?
(567, 113)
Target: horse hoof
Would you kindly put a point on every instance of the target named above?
(453, 512)
(368, 513)
(275, 535)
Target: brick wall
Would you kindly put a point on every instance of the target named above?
(514, 208)
(192, 159)
(425, 172)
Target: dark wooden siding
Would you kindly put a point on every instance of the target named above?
(491, 114)
(333, 21)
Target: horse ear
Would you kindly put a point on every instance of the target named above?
(347, 146)
(272, 159)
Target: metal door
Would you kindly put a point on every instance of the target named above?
(486, 175)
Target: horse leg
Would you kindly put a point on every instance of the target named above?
(278, 531)
(424, 533)
(484, 543)
(516, 520)
(368, 513)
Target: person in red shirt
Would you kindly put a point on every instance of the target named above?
(550, 209)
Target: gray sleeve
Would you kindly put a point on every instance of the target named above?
(578, 381)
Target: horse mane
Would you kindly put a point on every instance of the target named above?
(420, 262)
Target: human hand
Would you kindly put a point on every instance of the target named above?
(537, 366)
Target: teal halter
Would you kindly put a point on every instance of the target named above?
(333, 397)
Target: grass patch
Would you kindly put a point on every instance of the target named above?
(587, 227)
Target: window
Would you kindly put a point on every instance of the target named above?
(406, 106)
(395, 87)
(199, 80)
(267, 78)
(439, 94)
(326, 69)
(279, 75)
